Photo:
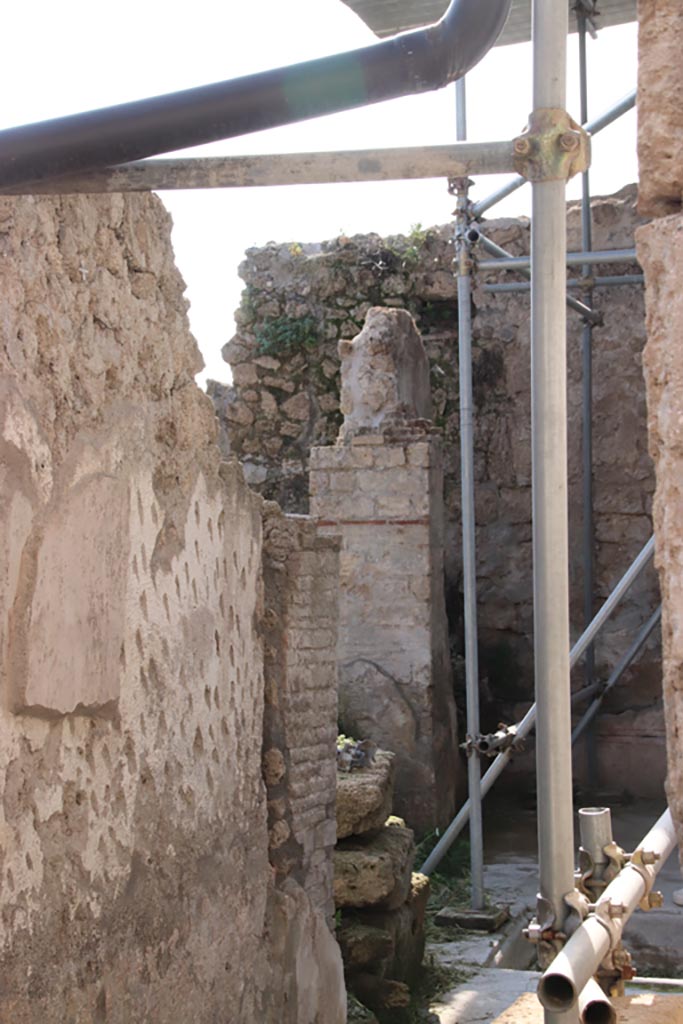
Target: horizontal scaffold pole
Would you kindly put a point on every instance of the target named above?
(270, 169)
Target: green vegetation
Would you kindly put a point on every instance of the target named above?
(286, 334)
(413, 250)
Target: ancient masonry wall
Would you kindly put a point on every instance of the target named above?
(381, 490)
(134, 847)
(301, 300)
(301, 577)
(395, 682)
(660, 249)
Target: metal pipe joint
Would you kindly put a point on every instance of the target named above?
(596, 943)
(493, 743)
(553, 147)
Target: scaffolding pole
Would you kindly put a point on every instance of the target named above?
(573, 259)
(573, 282)
(550, 25)
(463, 245)
(587, 531)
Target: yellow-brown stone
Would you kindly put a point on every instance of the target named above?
(646, 1008)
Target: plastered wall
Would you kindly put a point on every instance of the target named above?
(134, 871)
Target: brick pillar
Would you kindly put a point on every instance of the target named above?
(381, 490)
(300, 572)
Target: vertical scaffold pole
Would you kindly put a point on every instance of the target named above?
(587, 402)
(469, 570)
(549, 486)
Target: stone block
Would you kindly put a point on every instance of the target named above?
(406, 928)
(376, 870)
(364, 797)
(363, 945)
(381, 993)
(660, 106)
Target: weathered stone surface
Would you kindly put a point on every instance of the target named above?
(660, 106)
(381, 993)
(384, 374)
(375, 870)
(133, 821)
(306, 982)
(660, 249)
(363, 945)
(406, 928)
(385, 500)
(364, 796)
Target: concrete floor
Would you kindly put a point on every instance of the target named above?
(500, 963)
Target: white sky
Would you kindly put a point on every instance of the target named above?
(74, 55)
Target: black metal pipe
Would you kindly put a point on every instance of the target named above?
(413, 62)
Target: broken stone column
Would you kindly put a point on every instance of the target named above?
(381, 489)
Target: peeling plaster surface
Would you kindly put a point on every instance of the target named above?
(133, 834)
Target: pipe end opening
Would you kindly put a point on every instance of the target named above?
(599, 1013)
(556, 992)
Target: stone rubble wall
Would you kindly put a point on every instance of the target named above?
(302, 300)
(660, 250)
(134, 846)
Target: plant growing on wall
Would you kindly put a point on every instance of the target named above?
(416, 239)
(284, 334)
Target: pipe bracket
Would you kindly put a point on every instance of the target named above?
(579, 908)
(553, 147)
(618, 859)
(542, 933)
(643, 861)
(611, 916)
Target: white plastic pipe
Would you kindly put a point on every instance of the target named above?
(572, 968)
(594, 1006)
